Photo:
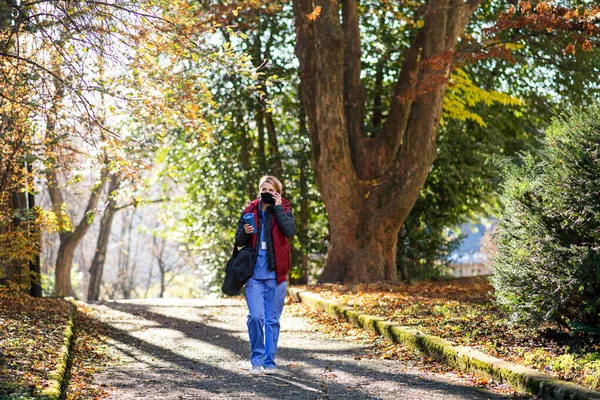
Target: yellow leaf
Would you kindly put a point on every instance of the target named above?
(514, 46)
(315, 14)
(463, 95)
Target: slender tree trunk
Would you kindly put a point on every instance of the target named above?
(260, 130)
(158, 252)
(276, 166)
(304, 209)
(133, 261)
(149, 281)
(369, 185)
(162, 281)
(303, 224)
(35, 290)
(97, 267)
(125, 276)
(16, 271)
(401, 258)
(245, 157)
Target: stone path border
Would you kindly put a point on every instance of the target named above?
(520, 378)
(57, 376)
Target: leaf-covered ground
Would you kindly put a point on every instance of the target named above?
(382, 348)
(462, 310)
(31, 336)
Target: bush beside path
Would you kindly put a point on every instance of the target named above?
(190, 349)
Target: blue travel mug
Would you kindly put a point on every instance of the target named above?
(249, 218)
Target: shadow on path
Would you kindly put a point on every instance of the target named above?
(203, 353)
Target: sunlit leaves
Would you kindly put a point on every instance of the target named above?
(463, 95)
(581, 22)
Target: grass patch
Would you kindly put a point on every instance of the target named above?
(462, 311)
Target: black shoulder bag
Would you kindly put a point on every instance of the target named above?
(240, 268)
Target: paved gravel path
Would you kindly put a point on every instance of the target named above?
(198, 349)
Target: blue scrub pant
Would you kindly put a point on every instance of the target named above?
(265, 300)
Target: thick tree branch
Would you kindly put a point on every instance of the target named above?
(85, 222)
(56, 196)
(375, 155)
(329, 82)
(31, 62)
(354, 92)
(418, 149)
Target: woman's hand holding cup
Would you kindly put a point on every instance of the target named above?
(248, 228)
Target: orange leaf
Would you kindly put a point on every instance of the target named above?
(315, 14)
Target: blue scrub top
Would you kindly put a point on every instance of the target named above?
(261, 268)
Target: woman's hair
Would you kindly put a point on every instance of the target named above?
(273, 181)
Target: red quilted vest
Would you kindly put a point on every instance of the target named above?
(281, 246)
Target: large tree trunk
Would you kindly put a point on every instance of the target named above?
(70, 240)
(64, 260)
(366, 246)
(125, 269)
(97, 267)
(369, 185)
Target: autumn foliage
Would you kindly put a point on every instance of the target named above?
(546, 17)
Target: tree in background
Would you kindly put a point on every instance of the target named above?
(84, 66)
(258, 128)
(369, 180)
(548, 260)
(464, 180)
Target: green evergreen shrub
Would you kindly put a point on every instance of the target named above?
(547, 268)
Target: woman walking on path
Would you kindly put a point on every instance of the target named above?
(265, 290)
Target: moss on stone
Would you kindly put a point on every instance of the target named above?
(57, 376)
